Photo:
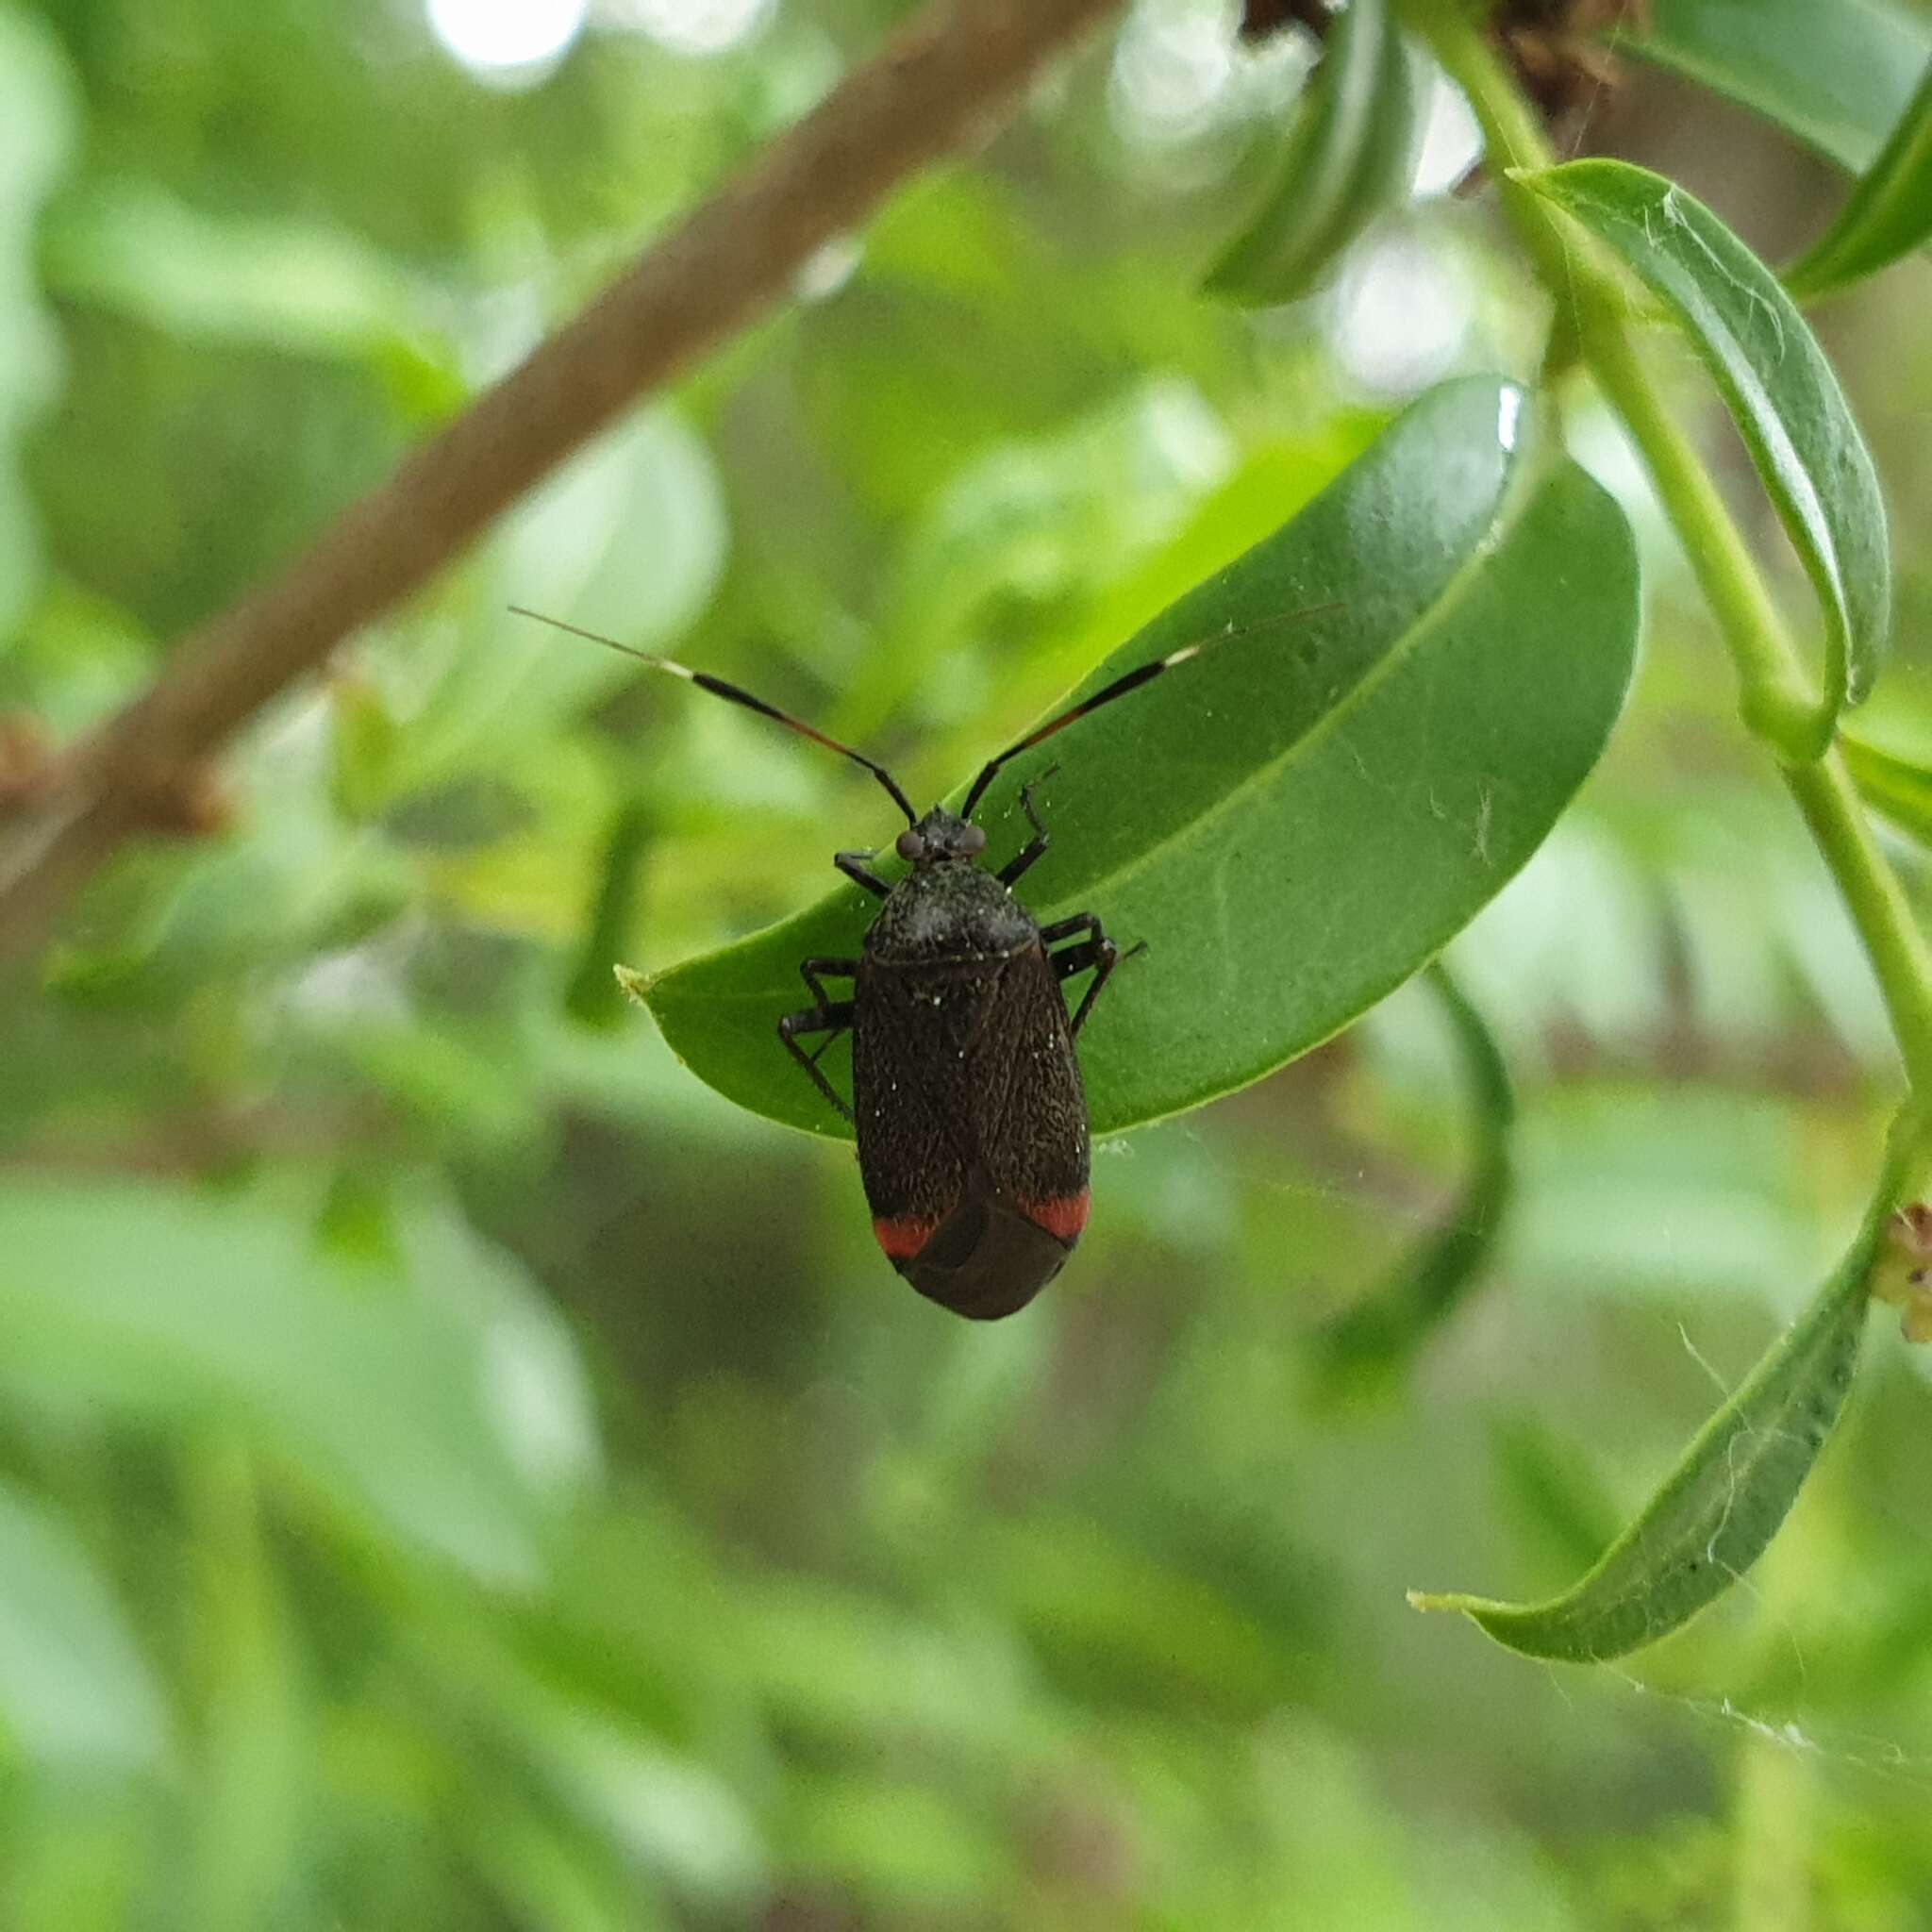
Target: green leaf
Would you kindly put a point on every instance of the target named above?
(1736, 1484)
(441, 1408)
(1372, 1339)
(592, 997)
(913, 1854)
(628, 537)
(39, 118)
(255, 1747)
(1837, 73)
(131, 248)
(1099, 1612)
(1550, 1494)
(1351, 155)
(363, 741)
(1778, 386)
(1300, 819)
(74, 1690)
(1894, 786)
(1886, 215)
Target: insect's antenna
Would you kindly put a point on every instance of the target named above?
(719, 689)
(1132, 680)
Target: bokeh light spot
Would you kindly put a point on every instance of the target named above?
(1172, 75)
(502, 37)
(1402, 314)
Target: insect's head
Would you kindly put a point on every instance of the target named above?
(940, 837)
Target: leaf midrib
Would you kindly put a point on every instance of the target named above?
(1523, 480)
(1520, 483)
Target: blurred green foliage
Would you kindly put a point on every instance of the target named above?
(458, 1472)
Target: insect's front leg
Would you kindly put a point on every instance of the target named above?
(1035, 847)
(827, 1015)
(855, 868)
(1092, 949)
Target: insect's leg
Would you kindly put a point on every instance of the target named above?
(1082, 926)
(1037, 846)
(853, 866)
(832, 1021)
(827, 1015)
(829, 1020)
(1092, 949)
(815, 971)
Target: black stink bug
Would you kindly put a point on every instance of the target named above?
(966, 1093)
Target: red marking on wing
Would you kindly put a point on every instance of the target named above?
(902, 1240)
(1063, 1219)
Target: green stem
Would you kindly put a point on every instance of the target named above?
(1775, 697)
(1877, 903)
(1776, 701)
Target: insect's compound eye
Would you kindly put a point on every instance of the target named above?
(911, 846)
(972, 840)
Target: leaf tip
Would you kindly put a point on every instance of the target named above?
(1456, 1601)
(1507, 1622)
(635, 986)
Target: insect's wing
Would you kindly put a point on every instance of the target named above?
(1029, 1106)
(987, 1259)
(972, 1127)
(913, 1046)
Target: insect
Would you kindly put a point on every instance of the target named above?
(966, 1093)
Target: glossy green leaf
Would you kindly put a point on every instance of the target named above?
(1778, 386)
(1370, 1341)
(1299, 819)
(1886, 215)
(1724, 1501)
(1897, 786)
(1837, 73)
(1349, 154)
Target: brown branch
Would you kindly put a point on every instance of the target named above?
(934, 87)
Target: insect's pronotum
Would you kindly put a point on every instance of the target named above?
(966, 1093)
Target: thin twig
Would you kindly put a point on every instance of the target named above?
(936, 87)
